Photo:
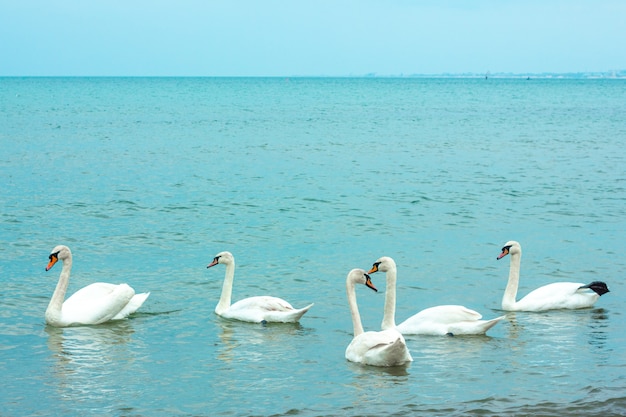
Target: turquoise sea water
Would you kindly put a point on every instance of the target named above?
(146, 179)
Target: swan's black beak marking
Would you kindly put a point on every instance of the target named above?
(54, 257)
(374, 268)
(214, 262)
(505, 251)
(368, 282)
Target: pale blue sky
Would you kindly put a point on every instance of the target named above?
(305, 37)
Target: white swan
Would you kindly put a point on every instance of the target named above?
(261, 309)
(384, 348)
(93, 304)
(558, 295)
(437, 321)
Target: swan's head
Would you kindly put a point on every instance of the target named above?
(511, 247)
(383, 264)
(225, 258)
(358, 276)
(61, 252)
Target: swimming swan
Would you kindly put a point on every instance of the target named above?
(384, 348)
(259, 309)
(437, 321)
(558, 295)
(93, 304)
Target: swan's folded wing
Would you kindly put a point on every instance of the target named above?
(264, 303)
(96, 303)
(447, 314)
(266, 308)
(275, 304)
(551, 296)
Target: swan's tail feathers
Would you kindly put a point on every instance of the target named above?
(132, 306)
(284, 315)
(300, 312)
(295, 315)
(397, 353)
(473, 327)
(401, 350)
(488, 324)
(598, 287)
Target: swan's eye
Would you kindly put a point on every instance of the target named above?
(53, 255)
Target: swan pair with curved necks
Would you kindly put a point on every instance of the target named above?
(94, 304)
(386, 348)
(436, 321)
(260, 309)
(558, 295)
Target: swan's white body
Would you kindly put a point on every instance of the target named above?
(384, 348)
(558, 295)
(435, 321)
(94, 304)
(253, 309)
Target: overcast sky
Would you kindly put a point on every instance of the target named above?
(309, 38)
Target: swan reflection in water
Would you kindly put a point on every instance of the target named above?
(560, 325)
(246, 351)
(562, 338)
(246, 337)
(88, 359)
(367, 371)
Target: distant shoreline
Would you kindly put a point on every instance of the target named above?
(608, 75)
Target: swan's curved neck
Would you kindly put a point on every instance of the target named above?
(53, 312)
(510, 293)
(354, 309)
(227, 289)
(389, 318)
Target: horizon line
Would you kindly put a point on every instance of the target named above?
(610, 74)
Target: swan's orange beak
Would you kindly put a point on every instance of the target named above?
(215, 261)
(374, 269)
(53, 260)
(505, 251)
(368, 282)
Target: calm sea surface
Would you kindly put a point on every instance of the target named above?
(303, 180)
